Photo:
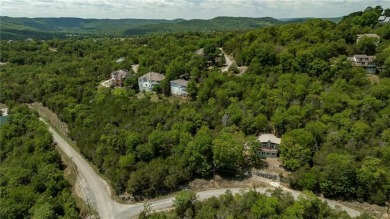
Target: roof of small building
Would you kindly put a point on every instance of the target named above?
(364, 57)
(269, 137)
(382, 18)
(121, 74)
(387, 19)
(180, 82)
(368, 35)
(153, 76)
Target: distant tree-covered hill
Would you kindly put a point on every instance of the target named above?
(47, 28)
(215, 24)
(42, 28)
(303, 19)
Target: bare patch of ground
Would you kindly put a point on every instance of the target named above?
(273, 165)
(135, 68)
(181, 99)
(152, 95)
(219, 182)
(374, 210)
(373, 78)
(242, 69)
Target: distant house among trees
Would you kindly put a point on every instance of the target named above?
(367, 62)
(149, 80)
(179, 87)
(118, 77)
(269, 145)
(383, 19)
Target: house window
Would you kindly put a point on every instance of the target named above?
(273, 153)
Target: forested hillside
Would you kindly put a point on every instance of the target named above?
(215, 24)
(334, 122)
(49, 28)
(32, 184)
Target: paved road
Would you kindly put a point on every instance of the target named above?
(107, 208)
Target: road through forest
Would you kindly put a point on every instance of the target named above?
(228, 61)
(107, 208)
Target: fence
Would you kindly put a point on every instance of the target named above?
(272, 176)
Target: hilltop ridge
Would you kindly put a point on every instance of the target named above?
(20, 28)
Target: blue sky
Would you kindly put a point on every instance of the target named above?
(187, 9)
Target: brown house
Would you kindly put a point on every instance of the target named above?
(269, 145)
(118, 77)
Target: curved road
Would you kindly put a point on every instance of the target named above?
(107, 208)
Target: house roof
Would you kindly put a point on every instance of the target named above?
(368, 35)
(269, 137)
(387, 19)
(153, 76)
(369, 58)
(382, 18)
(121, 74)
(180, 82)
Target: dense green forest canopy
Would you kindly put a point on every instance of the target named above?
(249, 204)
(32, 184)
(334, 122)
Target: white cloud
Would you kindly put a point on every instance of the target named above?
(189, 9)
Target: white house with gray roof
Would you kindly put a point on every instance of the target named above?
(383, 19)
(149, 80)
(269, 145)
(179, 87)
